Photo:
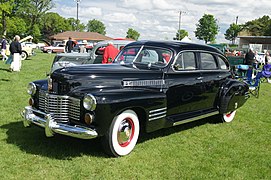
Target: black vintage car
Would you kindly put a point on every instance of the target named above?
(152, 85)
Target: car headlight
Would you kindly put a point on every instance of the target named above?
(89, 102)
(31, 88)
(50, 84)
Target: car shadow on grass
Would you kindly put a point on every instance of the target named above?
(33, 140)
(176, 129)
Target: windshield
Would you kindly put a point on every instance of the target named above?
(151, 56)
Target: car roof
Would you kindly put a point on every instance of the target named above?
(73, 54)
(115, 42)
(176, 45)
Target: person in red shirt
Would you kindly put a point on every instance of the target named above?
(110, 52)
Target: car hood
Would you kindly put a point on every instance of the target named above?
(104, 77)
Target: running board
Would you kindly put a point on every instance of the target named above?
(195, 118)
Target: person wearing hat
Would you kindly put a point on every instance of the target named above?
(82, 47)
(4, 48)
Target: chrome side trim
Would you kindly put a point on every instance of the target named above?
(143, 83)
(155, 110)
(158, 117)
(157, 113)
(46, 121)
(195, 118)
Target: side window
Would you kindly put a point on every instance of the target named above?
(208, 61)
(185, 61)
(222, 63)
(149, 56)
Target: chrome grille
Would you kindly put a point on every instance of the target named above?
(63, 108)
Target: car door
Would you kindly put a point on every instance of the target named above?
(185, 90)
(214, 71)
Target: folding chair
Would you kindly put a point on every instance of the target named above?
(241, 71)
(254, 83)
(266, 72)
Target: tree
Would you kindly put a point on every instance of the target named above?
(232, 32)
(180, 34)
(259, 27)
(73, 25)
(96, 26)
(5, 11)
(207, 28)
(33, 10)
(133, 34)
(52, 23)
(16, 26)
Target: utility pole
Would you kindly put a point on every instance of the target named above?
(180, 18)
(77, 2)
(236, 20)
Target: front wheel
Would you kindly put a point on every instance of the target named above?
(122, 135)
(228, 117)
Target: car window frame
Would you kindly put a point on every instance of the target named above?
(198, 61)
(185, 70)
(179, 55)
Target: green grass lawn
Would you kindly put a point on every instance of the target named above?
(199, 150)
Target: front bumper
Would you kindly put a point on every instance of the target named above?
(51, 126)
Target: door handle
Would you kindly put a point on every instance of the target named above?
(219, 76)
(199, 78)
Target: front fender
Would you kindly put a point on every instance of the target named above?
(233, 94)
(110, 103)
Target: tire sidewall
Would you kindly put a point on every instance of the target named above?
(228, 117)
(115, 147)
(23, 56)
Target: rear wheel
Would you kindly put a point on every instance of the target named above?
(23, 55)
(123, 134)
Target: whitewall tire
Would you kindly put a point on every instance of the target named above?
(228, 117)
(123, 134)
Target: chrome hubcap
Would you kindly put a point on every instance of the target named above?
(125, 132)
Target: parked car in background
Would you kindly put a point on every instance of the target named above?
(88, 46)
(152, 85)
(59, 48)
(69, 59)
(94, 57)
(29, 44)
(40, 45)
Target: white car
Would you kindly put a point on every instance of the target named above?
(59, 48)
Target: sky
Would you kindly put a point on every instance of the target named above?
(159, 19)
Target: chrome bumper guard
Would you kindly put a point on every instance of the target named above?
(52, 127)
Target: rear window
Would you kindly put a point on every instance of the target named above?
(222, 63)
(208, 61)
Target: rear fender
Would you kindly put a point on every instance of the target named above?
(233, 94)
